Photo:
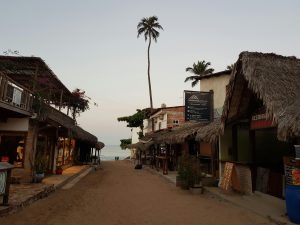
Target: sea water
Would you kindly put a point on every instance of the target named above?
(109, 152)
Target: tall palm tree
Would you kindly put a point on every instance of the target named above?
(149, 26)
(199, 69)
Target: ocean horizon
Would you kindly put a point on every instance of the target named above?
(109, 152)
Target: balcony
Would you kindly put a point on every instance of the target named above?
(14, 98)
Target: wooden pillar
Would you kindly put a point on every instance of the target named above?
(49, 96)
(35, 78)
(55, 153)
(68, 109)
(60, 100)
(234, 142)
(4, 90)
(253, 156)
(63, 156)
(2, 85)
(212, 105)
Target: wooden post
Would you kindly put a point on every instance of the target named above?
(63, 156)
(4, 90)
(68, 110)
(49, 96)
(60, 100)
(212, 147)
(253, 152)
(212, 105)
(35, 78)
(234, 142)
(3, 80)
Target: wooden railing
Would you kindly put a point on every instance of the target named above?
(14, 94)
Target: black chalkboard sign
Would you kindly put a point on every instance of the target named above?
(198, 106)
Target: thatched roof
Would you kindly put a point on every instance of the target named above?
(141, 145)
(179, 134)
(99, 145)
(271, 78)
(210, 132)
(81, 134)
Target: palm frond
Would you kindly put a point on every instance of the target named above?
(194, 83)
(191, 78)
(199, 69)
(189, 69)
(147, 27)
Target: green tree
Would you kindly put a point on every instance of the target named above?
(79, 102)
(149, 26)
(125, 143)
(198, 70)
(136, 120)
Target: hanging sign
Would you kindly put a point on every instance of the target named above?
(198, 106)
(292, 171)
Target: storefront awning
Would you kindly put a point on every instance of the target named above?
(210, 132)
(79, 133)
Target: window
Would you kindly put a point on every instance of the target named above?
(175, 122)
(12, 149)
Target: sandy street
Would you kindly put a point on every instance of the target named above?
(118, 194)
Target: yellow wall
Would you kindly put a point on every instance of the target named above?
(218, 85)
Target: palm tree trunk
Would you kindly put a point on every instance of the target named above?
(149, 81)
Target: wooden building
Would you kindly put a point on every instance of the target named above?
(35, 116)
(261, 120)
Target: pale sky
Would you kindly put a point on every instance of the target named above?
(93, 45)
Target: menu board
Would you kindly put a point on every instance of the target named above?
(292, 171)
(227, 176)
(292, 175)
(2, 182)
(198, 106)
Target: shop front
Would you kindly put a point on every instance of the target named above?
(65, 154)
(259, 123)
(12, 148)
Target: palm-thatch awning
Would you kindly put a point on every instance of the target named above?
(141, 145)
(99, 145)
(81, 134)
(149, 139)
(273, 79)
(210, 132)
(179, 134)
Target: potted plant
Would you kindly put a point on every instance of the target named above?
(40, 166)
(58, 170)
(196, 183)
(185, 176)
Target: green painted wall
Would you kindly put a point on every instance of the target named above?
(226, 145)
(243, 146)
